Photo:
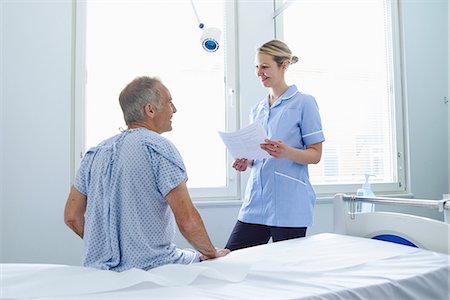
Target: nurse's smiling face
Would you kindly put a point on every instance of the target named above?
(268, 70)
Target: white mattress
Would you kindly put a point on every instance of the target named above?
(323, 266)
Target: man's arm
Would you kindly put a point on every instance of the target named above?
(74, 211)
(190, 223)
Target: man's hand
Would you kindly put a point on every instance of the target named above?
(219, 253)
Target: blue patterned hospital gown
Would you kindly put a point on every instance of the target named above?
(128, 223)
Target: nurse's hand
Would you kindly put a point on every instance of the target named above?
(241, 164)
(276, 149)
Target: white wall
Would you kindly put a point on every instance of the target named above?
(2, 111)
(424, 28)
(35, 120)
(425, 32)
(35, 127)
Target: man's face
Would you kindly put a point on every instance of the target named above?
(164, 113)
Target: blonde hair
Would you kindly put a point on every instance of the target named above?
(279, 50)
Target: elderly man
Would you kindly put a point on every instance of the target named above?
(131, 189)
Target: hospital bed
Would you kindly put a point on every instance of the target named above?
(346, 264)
(415, 231)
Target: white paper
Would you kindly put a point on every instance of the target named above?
(244, 143)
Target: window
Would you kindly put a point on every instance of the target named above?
(120, 40)
(348, 60)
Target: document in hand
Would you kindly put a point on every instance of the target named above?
(244, 143)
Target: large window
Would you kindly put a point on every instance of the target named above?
(120, 40)
(348, 61)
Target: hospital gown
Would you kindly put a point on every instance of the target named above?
(128, 223)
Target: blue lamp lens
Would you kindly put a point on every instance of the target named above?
(210, 45)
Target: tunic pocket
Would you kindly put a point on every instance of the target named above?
(292, 201)
(290, 177)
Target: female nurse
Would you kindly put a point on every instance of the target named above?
(279, 198)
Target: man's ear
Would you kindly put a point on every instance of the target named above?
(150, 110)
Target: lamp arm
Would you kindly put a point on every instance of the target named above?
(200, 24)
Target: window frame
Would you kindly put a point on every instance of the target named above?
(235, 180)
(397, 91)
(232, 190)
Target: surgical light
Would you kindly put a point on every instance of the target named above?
(210, 36)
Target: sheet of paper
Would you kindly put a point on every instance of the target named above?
(244, 143)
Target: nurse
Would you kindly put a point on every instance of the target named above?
(279, 198)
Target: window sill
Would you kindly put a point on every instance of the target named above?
(223, 202)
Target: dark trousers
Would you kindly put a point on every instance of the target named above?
(247, 235)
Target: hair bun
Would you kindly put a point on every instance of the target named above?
(293, 60)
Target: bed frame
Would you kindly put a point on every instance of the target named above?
(415, 231)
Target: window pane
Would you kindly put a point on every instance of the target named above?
(345, 62)
(125, 39)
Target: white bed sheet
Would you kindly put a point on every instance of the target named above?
(324, 266)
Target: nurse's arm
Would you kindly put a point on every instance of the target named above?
(311, 155)
(74, 211)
